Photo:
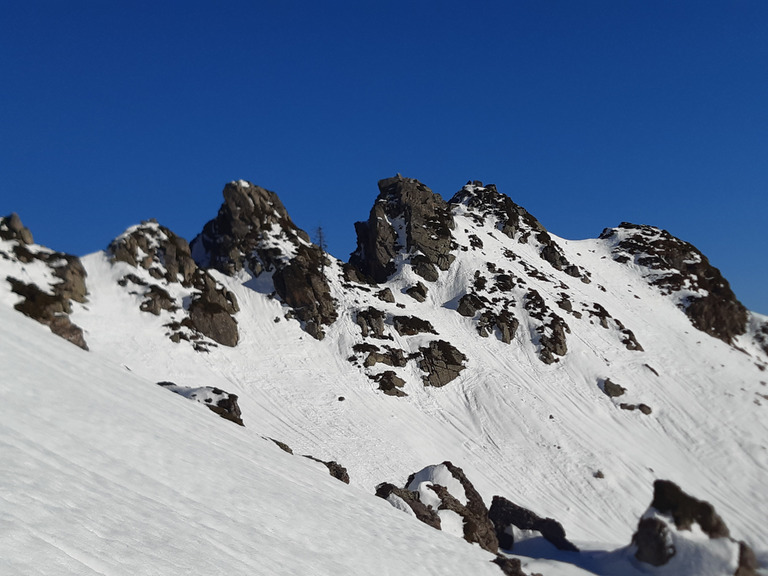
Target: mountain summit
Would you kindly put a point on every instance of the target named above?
(520, 391)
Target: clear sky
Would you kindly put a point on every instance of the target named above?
(587, 113)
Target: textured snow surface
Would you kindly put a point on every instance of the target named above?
(93, 482)
(105, 472)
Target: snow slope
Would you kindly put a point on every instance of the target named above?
(534, 433)
(106, 473)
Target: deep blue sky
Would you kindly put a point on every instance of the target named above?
(585, 113)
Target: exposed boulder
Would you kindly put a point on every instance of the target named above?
(303, 286)
(442, 363)
(334, 468)
(418, 292)
(412, 325)
(611, 389)
(505, 515)
(406, 216)
(385, 295)
(665, 536)
(469, 304)
(510, 566)
(371, 322)
(443, 497)
(11, 228)
(390, 383)
(157, 299)
(214, 321)
(677, 268)
(217, 400)
(402, 498)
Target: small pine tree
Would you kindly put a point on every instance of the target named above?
(320, 242)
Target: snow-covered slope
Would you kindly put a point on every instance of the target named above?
(546, 331)
(106, 473)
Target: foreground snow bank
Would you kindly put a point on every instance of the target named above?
(93, 482)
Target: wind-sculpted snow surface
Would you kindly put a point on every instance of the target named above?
(504, 355)
(93, 482)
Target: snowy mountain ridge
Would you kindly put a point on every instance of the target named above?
(564, 376)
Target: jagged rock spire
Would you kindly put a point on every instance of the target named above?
(408, 216)
(253, 232)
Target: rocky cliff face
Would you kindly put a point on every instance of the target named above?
(48, 281)
(679, 270)
(253, 234)
(168, 281)
(407, 218)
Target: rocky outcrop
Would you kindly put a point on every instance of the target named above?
(407, 216)
(217, 400)
(371, 323)
(442, 363)
(11, 228)
(253, 233)
(505, 515)
(156, 249)
(441, 493)
(611, 389)
(401, 496)
(167, 260)
(663, 530)
(50, 304)
(486, 202)
(390, 383)
(334, 468)
(412, 325)
(552, 330)
(677, 268)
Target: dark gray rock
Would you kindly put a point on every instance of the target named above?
(611, 389)
(510, 566)
(653, 542)
(478, 527)
(426, 222)
(371, 322)
(386, 295)
(334, 468)
(246, 235)
(505, 514)
(686, 510)
(418, 292)
(217, 400)
(412, 325)
(156, 249)
(11, 228)
(423, 512)
(53, 306)
(442, 362)
(673, 507)
(214, 321)
(390, 383)
(469, 304)
(157, 300)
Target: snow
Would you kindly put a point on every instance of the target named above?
(95, 481)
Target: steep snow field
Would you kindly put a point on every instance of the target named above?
(531, 432)
(106, 473)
